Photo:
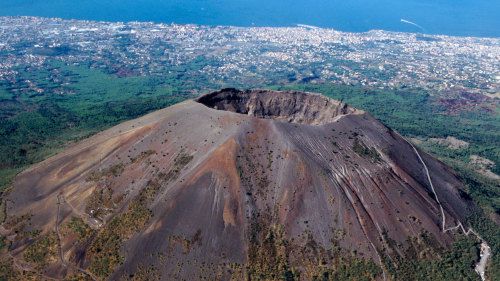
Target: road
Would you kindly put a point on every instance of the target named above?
(485, 248)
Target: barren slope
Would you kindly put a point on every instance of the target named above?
(234, 185)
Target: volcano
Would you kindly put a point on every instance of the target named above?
(234, 185)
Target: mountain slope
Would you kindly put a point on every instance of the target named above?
(255, 184)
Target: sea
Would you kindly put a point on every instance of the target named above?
(477, 18)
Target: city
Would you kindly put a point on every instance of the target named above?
(261, 56)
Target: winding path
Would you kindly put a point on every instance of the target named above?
(485, 248)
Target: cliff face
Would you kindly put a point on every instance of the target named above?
(231, 185)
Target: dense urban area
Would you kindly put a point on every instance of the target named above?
(250, 55)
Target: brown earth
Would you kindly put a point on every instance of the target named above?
(234, 185)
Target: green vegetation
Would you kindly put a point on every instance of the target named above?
(105, 250)
(491, 233)
(114, 171)
(425, 260)
(77, 101)
(356, 269)
(17, 224)
(268, 255)
(144, 273)
(362, 150)
(3, 243)
(416, 113)
(272, 256)
(9, 272)
(143, 155)
(186, 244)
(3, 210)
(180, 161)
(76, 104)
(6, 177)
(482, 189)
(43, 251)
(78, 277)
(79, 227)
(100, 201)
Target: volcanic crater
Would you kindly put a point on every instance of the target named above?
(245, 185)
(293, 107)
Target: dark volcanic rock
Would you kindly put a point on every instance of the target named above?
(254, 184)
